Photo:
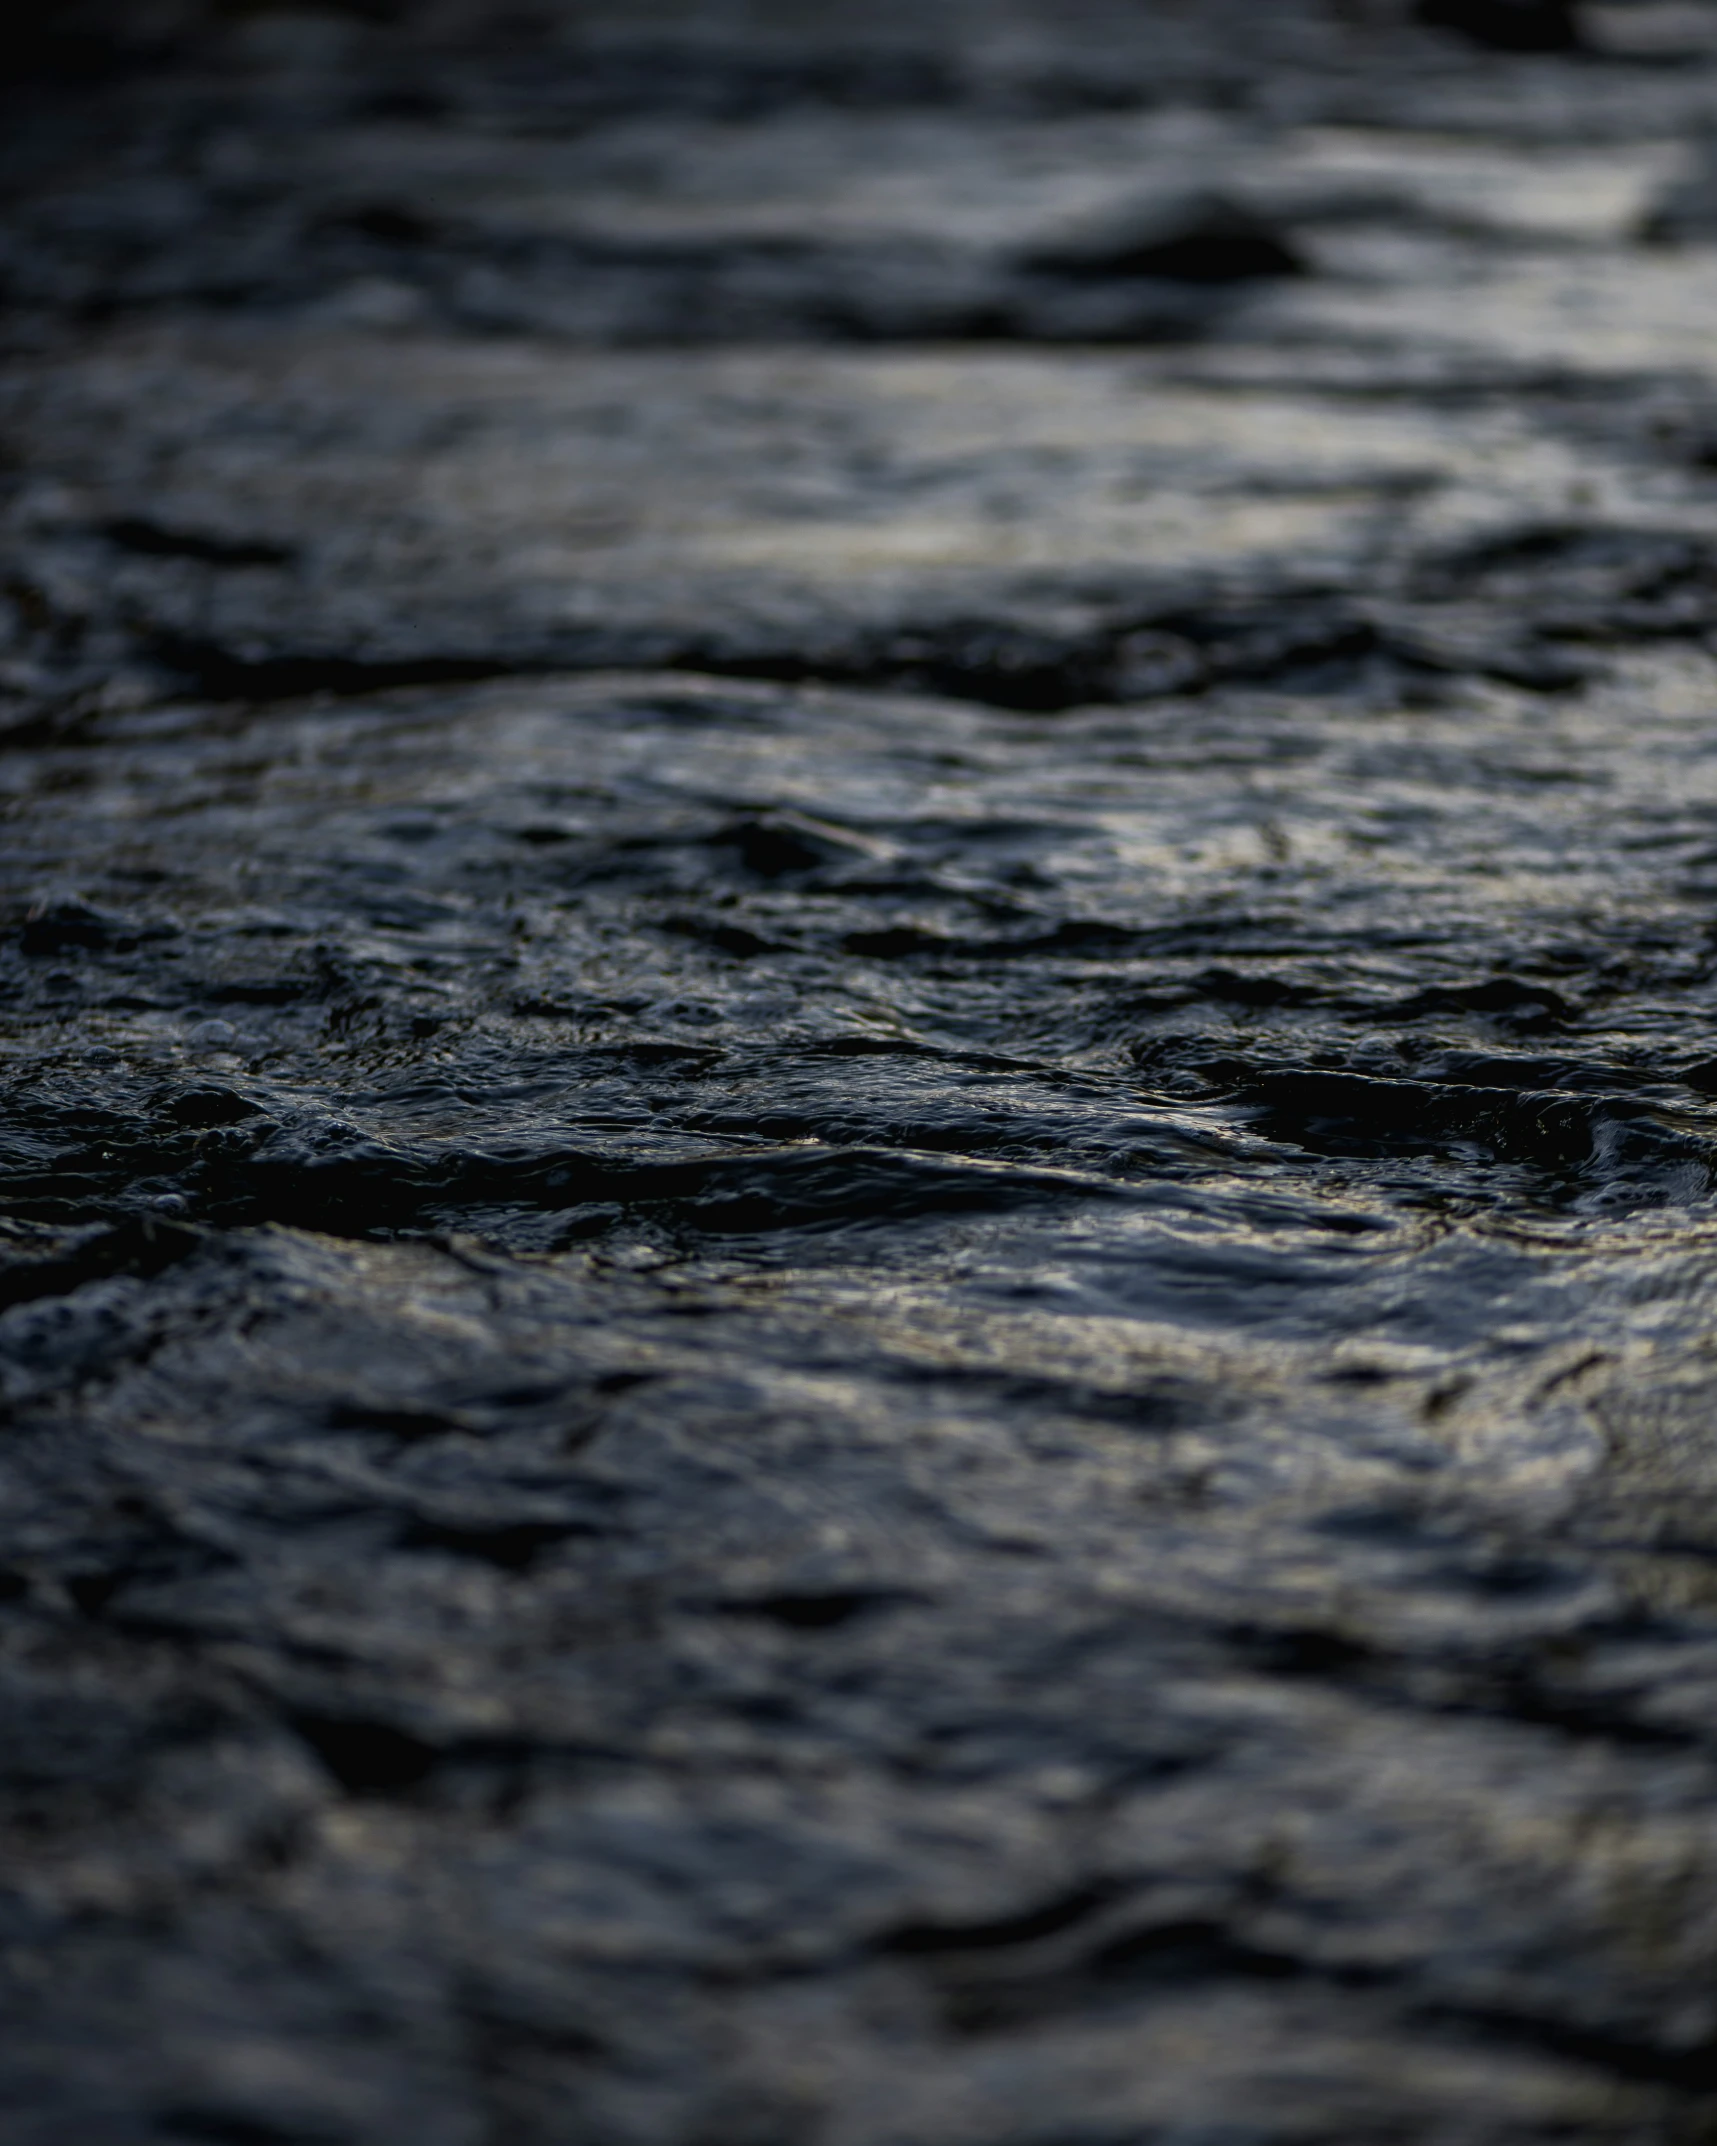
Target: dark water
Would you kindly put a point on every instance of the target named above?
(858, 1256)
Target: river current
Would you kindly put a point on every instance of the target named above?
(858, 1257)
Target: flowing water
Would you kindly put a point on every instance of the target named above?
(861, 1085)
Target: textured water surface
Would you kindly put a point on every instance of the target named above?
(860, 1081)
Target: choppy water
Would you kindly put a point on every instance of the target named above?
(935, 1374)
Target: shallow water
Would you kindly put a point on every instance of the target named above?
(858, 1244)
